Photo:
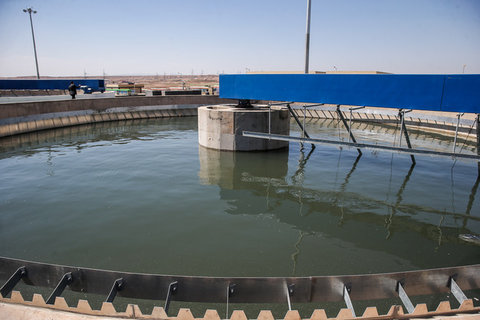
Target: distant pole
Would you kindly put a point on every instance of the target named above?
(30, 10)
(307, 40)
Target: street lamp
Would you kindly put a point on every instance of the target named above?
(30, 11)
(307, 40)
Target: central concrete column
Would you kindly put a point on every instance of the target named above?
(220, 127)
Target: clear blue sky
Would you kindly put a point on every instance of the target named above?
(229, 36)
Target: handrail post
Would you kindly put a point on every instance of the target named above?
(404, 297)
(172, 289)
(66, 280)
(117, 286)
(340, 115)
(346, 296)
(401, 113)
(456, 291)
(13, 280)
(456, 131)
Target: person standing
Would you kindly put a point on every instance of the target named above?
(72, 89)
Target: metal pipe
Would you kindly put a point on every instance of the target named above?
(314, 105)
(288, 292)
(340, 115)
(405, 299)
(356, 108)
(13, 280)
(401, 128)
(348, 301)
(279, 103)
(64, 282)
(269, 119)
(172, 289)
(299, 124)
(478, 133)
(230, 290)
(405, 132)
(307, 39)
(297, 120)
(350, 120)
(457, 292)
(304, 116)
(456, 131)
(358, 145)
(117, 286)
(228, 298)
(350, 125)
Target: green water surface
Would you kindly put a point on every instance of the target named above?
(142, 196)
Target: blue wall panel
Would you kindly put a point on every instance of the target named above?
(53, 84)
(458, 93)
(462, 93)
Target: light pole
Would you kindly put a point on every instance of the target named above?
(30, 11)
(307, 40)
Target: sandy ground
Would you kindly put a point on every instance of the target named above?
(167, 80)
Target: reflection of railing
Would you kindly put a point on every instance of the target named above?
(241, 290)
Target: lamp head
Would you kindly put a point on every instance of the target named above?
(29, 10)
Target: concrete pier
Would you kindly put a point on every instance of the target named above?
(220, 127)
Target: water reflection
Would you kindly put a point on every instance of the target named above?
(347, 177)
(471, 198)
(263, 213)
(94, 135)
(393, 209)
(239, 170)
(259, 184)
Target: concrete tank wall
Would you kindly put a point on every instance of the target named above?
(18, 118)
(221, 127)
(13, 110)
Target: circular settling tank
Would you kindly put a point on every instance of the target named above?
(143, 196)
